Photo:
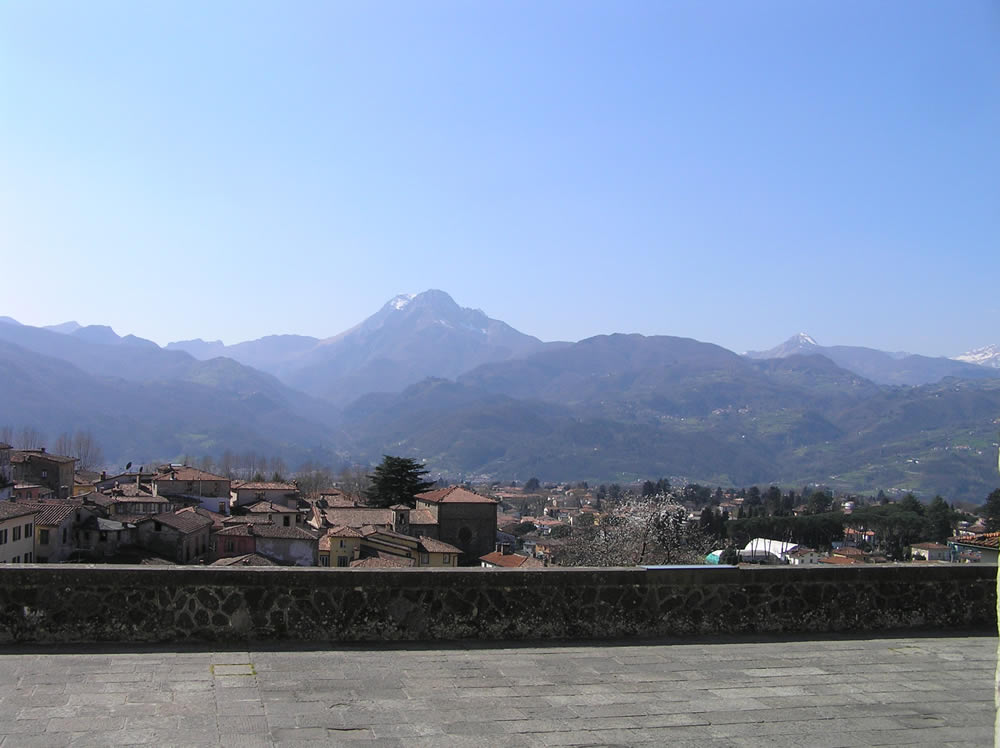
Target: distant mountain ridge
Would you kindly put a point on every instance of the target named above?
(879, 366)
(474, 398)
(413, 336)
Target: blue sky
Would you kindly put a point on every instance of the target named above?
(730, 171)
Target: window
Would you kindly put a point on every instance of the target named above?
(288, 520)
(230, 546)
(341, 542)
(27, 530)
(16, 534)
(222, 507)
(3, 536)
(16, 560)
(43, 537)
(425, 558)
(27, 558)
(324, 560)
(447, 558)
(342, 561)
(45, 474)
(64, 535)
(104, 536)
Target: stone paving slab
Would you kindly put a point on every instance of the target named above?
(933, 690)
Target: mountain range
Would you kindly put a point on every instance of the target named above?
(472, 396)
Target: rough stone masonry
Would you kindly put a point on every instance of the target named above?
(79, 603)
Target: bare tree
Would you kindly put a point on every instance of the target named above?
(227, 464)
(651, 530)
(312, 478)
(87, 451)
(64, 445)
(6, 435)
(278, 469)
(30, 438)
(206, 463)
(354, 480)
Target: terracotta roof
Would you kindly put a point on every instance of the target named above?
(436, 546)
(267, 486)
(356, 516)
(344, 532)
(262, 507)
(248, 559)
(130, 489)
(510, 560)
(849, 552)
(265, 530)
(186, 473)
(51, 513)
(11, 509)
(838, 560)
(454, 495)
(337, 532)
(23, 455)
(381, 563)
(183, 520)
(987, 540)
(422, 517)
(929, 546)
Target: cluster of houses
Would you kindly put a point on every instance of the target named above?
(50, 513)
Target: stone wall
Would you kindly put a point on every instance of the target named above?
(77, 603)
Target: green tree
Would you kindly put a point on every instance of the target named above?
(523, 528)
(819, 502)
(939, 520)
(396, 480)
(991, 512)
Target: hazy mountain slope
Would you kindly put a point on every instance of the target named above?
(272, 353)
(141, 421)
(138, 362)
(467, 432)
(878, 366)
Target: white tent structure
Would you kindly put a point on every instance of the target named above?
(765, 551)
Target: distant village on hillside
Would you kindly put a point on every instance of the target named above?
(52, 512)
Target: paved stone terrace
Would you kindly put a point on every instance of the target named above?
(935, 690)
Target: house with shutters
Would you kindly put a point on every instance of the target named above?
(17, 536)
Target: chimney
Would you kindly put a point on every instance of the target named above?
(503, 549)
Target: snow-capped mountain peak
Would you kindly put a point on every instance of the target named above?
(402, 300)
(805, 339)
(988, 355)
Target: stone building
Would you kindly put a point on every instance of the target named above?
(38, 466)
(181, 536)
(195, 486)
(6, 472)
(252, 492)
(292, 546)
(464, 519)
